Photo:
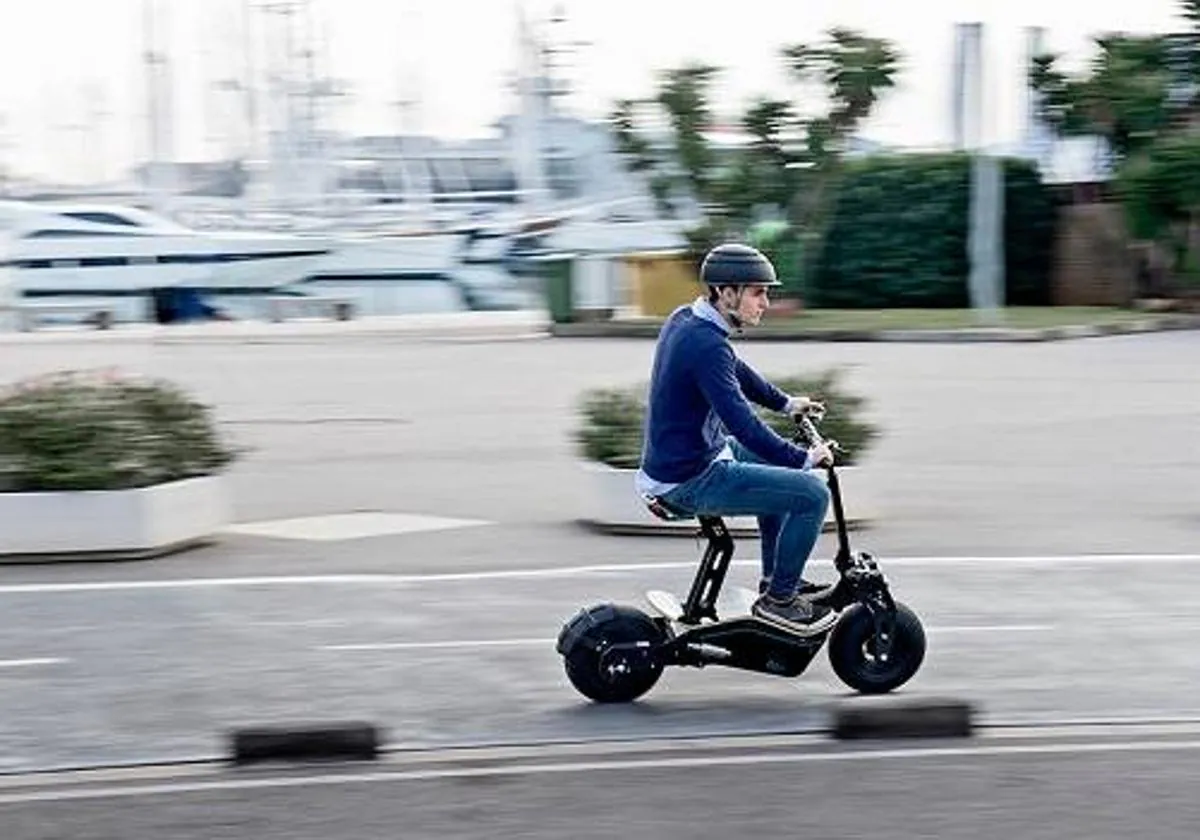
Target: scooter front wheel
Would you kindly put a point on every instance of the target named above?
(611, 653)
(857, 660)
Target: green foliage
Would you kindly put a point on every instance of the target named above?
(1030, 232)
(78, 431)
(612, 419)
(852, 70)
(612, 426)
(1190, 10)
(900, 230)
(684, 95)
(844, 411)
(767, 179)
(1123, 96)
(1142, 94)
(639, 155)
(1160, 191)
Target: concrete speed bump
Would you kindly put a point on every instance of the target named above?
(308, 742)
(866, 718)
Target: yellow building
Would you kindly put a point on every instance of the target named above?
(658, 282)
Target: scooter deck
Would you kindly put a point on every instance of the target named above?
(668, 606)
(735, 639)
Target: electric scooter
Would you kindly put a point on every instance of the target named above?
(616, 653)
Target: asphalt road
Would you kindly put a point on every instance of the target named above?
(134, 672)
(1118, 785)
(1069, 447)
(1004, 470)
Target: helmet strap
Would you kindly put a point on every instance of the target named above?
(732, 315)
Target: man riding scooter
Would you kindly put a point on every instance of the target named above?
(706, 452)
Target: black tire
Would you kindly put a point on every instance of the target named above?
(605, 675)
(851, 657)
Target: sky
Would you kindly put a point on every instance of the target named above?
(72, 82)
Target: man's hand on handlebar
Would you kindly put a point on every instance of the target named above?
(805, 412)
(799, 407)
(820, 455)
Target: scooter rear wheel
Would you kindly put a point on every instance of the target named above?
(854, 658)
(610, 653)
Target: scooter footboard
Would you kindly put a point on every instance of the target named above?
(745, 643)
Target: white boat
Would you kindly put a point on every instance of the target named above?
(58, 249)
(119, 254)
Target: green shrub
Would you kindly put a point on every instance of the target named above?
(843, 421)
(81, 431)
(899, 235)
(612, 419)
(612, 427)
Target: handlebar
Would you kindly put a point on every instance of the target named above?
(808, 430)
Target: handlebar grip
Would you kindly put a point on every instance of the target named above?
(814, 437)
(810, 431)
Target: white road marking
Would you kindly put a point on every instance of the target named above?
(992, 628)
(350, 526)
(468, 644)
(300, 622)
(1041, 560)
(111, 791)
(1106, 727)
(418, 579)
(443, 645)
(31, 663)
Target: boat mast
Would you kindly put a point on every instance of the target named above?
(158, 100)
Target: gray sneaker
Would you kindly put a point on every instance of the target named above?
(814, 593)
(797, 615)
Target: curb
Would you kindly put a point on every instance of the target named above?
(929, 718)
(481, 326)
(969, 334)
(689, 528)
(305, 742)
(107, 556)
(860, 719)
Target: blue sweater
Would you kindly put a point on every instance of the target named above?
(697, 386)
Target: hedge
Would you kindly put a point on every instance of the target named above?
(898, 236)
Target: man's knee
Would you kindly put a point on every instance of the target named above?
(826, 496)
(816, 494)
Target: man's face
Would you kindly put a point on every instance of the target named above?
(753, 303)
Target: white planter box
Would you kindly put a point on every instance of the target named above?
(113, 523)
(614, 504)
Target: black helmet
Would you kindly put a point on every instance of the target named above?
(733, 264)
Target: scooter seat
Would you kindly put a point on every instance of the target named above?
(663, 510)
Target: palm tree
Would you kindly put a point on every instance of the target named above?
(853, 71)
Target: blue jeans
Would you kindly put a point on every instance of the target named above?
(790, 505)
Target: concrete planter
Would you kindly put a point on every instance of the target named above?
(112, 524)
(614, 506)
